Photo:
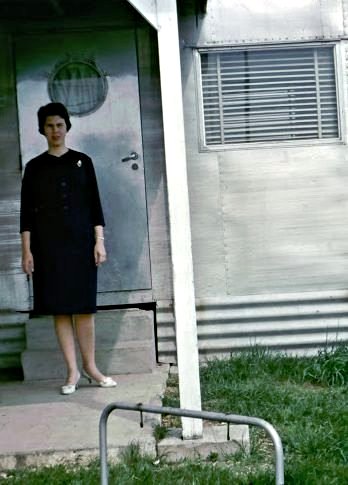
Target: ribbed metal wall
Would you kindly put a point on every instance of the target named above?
(13, 284)
(299, 323)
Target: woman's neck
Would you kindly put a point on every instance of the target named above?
(57, 151)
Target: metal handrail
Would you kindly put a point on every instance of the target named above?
(211, 416)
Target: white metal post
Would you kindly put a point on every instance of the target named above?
(163, 16)
(179, 215)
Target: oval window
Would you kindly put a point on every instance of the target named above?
(79, 85)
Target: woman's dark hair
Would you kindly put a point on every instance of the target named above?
(52, 109)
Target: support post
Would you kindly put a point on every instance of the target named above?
(179, 215)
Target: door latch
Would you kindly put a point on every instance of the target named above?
(131, 156)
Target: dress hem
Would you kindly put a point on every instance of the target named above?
(34, 313)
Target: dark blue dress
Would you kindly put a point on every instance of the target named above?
(60, 205)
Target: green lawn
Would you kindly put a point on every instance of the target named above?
(304, 398)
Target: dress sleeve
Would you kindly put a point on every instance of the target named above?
(95, 203)
(27, 209)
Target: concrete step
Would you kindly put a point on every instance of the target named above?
(113, 328)
(12, 338)
(214, 440)
(49, 364)
(125, 344)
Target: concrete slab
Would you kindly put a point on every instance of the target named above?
(214, 441)
(38, 426)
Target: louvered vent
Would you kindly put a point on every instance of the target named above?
(267, 95)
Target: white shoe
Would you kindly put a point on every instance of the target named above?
(106, 382)
(70, 388)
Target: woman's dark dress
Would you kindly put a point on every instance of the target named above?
(60, 206)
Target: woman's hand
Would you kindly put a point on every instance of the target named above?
(27, 262)
(27, 257)
(99, 252)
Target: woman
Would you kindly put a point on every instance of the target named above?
(61, 228)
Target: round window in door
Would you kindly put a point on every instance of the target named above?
(80, 85)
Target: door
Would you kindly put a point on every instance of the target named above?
(95, 76)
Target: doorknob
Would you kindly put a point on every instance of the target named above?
(131, 156)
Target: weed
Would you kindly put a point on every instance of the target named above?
(329, 368)
(160, 432)
(213, 456)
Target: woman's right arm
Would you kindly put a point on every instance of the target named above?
(27, 257)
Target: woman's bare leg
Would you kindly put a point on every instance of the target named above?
(65, 335)
(84, 326)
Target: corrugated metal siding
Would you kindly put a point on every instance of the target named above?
(296, 323)
(13, 284)
(13, 290)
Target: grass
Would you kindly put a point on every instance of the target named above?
(304, 398)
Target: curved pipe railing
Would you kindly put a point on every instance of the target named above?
(211, 416)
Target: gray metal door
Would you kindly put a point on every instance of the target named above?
(95, 75)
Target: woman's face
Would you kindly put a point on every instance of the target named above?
(55, 131)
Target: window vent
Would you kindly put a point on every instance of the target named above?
(266, 95)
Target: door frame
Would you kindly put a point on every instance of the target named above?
(128, 270)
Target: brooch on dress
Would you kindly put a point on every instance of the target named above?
(79, 163)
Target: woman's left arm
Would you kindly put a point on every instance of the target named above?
(94, 198)
(99, 247)
(97, 216)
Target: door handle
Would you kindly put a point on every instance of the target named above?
(131, 156)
